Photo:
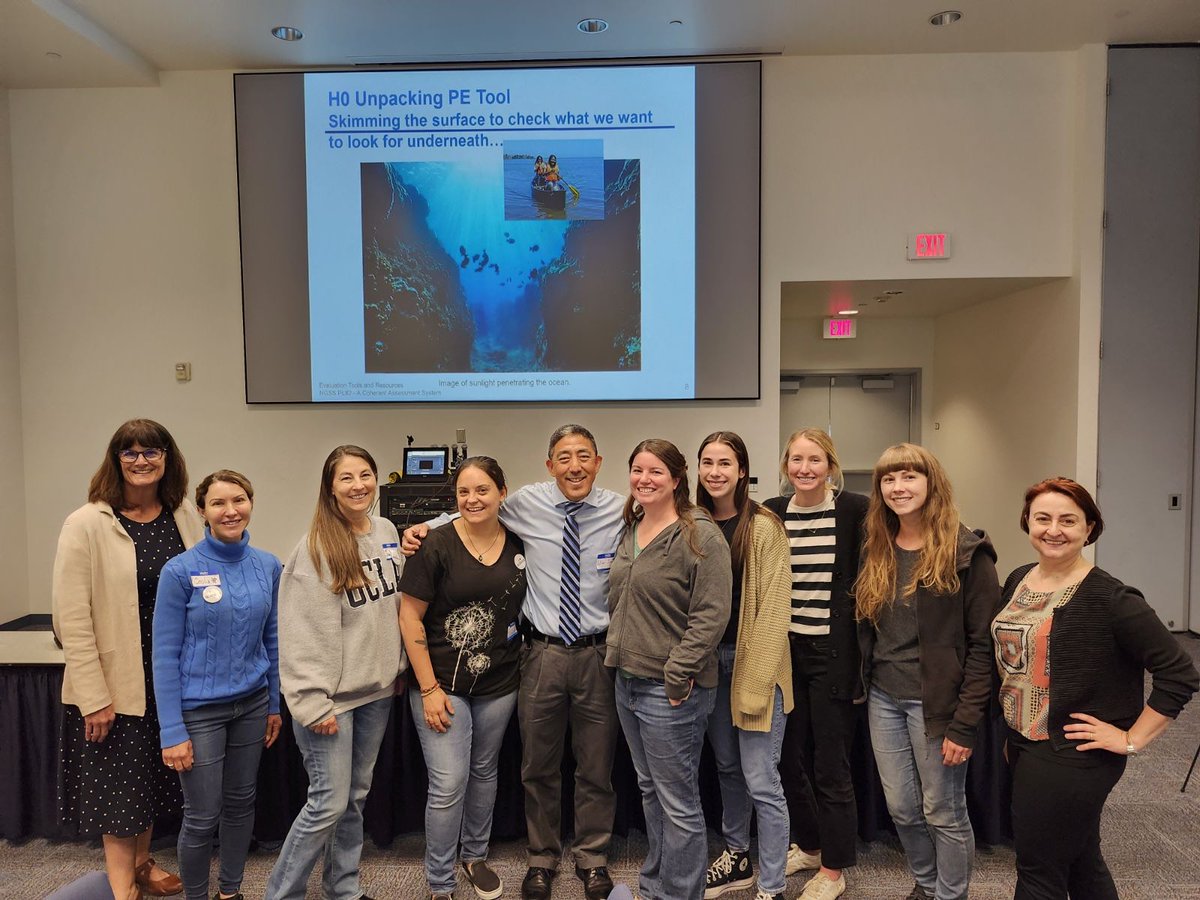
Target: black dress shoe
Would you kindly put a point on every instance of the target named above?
(596, 883)
(536, 885)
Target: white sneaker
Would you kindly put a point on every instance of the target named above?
(798, 860)
(822, 887)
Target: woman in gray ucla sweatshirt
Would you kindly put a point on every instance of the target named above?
(339, 660)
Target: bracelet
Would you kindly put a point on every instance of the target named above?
(425, 692)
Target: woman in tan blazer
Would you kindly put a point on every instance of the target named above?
(113, 781)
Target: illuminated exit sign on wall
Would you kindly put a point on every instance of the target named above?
(839, 329)
(929, 245)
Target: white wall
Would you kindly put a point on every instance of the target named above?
(126, 244)
(1005, 374)
(14, 593)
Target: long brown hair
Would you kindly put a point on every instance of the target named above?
(936, 567)
(108, 484)
(676, 465)
(331, 540)
(747, 509)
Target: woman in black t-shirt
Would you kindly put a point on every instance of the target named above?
(461, 593)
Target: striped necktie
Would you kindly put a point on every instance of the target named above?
(568, 597)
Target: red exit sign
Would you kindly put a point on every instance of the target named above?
(929, 245)
(839, 329)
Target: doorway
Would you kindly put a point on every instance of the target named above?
(864, 413)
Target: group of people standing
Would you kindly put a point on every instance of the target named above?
(761, 627)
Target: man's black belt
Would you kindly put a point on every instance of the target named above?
(584, 640)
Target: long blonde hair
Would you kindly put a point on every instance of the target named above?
(331, 540)
(936, 567)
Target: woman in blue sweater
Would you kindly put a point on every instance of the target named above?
(216, 680)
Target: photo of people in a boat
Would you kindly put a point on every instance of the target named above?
(553, 179)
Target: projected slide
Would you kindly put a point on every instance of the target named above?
(501, 235)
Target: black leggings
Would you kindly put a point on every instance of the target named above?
(1056, 822)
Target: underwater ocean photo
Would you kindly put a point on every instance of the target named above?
(450, 285)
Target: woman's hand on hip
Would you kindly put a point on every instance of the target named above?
(329, 726)
(97, 725)
(179, 757)
(954, 754)
(1095, 735)
(274, 723)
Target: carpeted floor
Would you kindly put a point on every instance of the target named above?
(1151, 840)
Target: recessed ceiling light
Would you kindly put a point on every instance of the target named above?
(893, 293)
(949, 17)
(592, 26)
(675, 22)
(287, 33)
(847, 312)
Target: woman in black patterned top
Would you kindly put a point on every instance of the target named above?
(1072, 647)
(824, 524)
(461, 594)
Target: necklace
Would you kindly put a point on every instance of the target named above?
(480, 555)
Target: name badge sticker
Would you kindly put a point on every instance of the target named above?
(203, 580)
(391, 551)
(513, 633)
(212, 594)
(604, 561)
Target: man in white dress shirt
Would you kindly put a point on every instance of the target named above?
(563, 676)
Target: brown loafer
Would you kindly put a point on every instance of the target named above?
(163, 886)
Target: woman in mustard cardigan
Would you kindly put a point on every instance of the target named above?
(754, 688)
(113, 781)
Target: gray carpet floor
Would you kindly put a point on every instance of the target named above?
(1151, 841)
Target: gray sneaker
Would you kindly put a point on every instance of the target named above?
(487, 883)
(918, 893)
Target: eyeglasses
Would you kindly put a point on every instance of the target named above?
(151, 455)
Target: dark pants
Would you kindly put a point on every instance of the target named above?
(816, 759)
(561, 686)
(1056, 823)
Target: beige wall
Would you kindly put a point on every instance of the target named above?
(1005, 374)
(860, 151)
(126, 243)
(888, 344)
(14, 594)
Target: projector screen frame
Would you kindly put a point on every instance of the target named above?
(282, 231)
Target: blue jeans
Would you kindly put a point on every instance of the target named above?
(926, 799)
(748, 766)
(462, 763)
(665, 743)
(227, 741)
(339, 767)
